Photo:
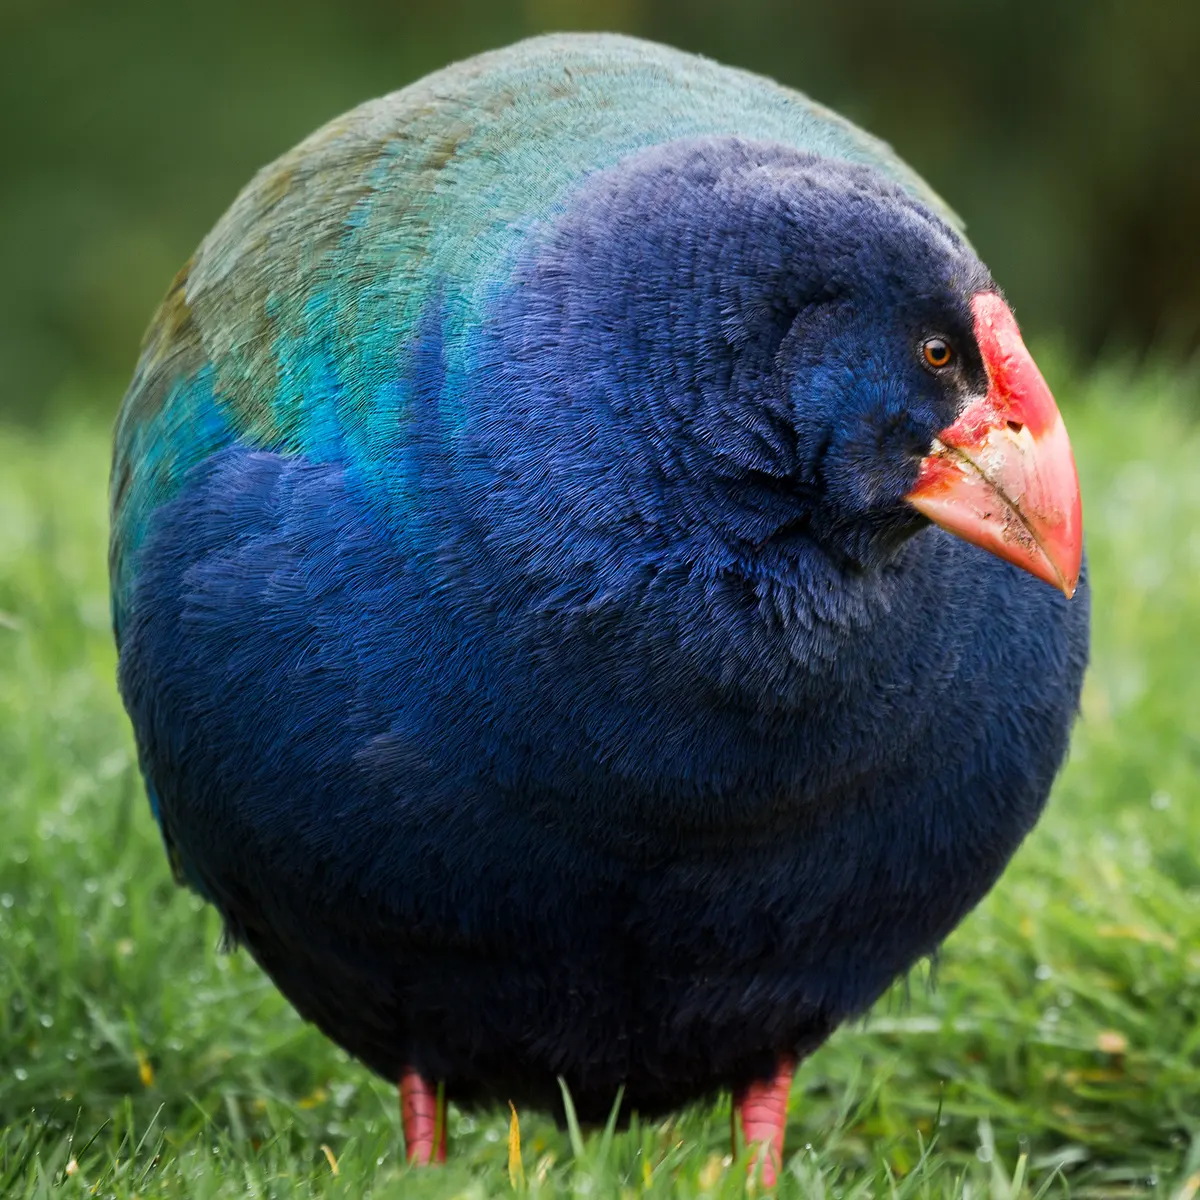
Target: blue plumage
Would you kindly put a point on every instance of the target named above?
(529, 643)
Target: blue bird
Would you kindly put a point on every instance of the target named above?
(581, 529)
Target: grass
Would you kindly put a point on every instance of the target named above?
(1058, 1053)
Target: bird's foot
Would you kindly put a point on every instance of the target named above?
(761, 1113)
(423, 1115)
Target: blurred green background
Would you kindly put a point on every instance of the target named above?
(1066, 132)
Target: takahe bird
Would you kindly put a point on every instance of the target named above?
(581, 534)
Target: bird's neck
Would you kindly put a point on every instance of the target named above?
(772, 623)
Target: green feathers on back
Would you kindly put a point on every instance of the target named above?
(291, 326)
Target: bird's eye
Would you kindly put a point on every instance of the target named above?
(937, 352)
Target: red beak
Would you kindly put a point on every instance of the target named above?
(1003, 476)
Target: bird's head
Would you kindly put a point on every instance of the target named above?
(788, 349)
(916, 397)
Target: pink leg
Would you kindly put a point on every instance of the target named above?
(762, 1112)
(423, 1116)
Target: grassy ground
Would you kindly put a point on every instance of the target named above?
(1058, 1053)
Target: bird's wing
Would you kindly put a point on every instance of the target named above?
(293, 327)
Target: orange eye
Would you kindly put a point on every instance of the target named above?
(937, 352)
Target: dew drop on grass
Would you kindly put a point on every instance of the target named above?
(7, 900)
(21, 1074)
(45, 1020)
(984, 1154)
(1043, 972)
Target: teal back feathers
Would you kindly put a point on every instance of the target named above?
(292, 325)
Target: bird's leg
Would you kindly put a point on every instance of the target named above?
(423, 1115)
(761, 1110)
